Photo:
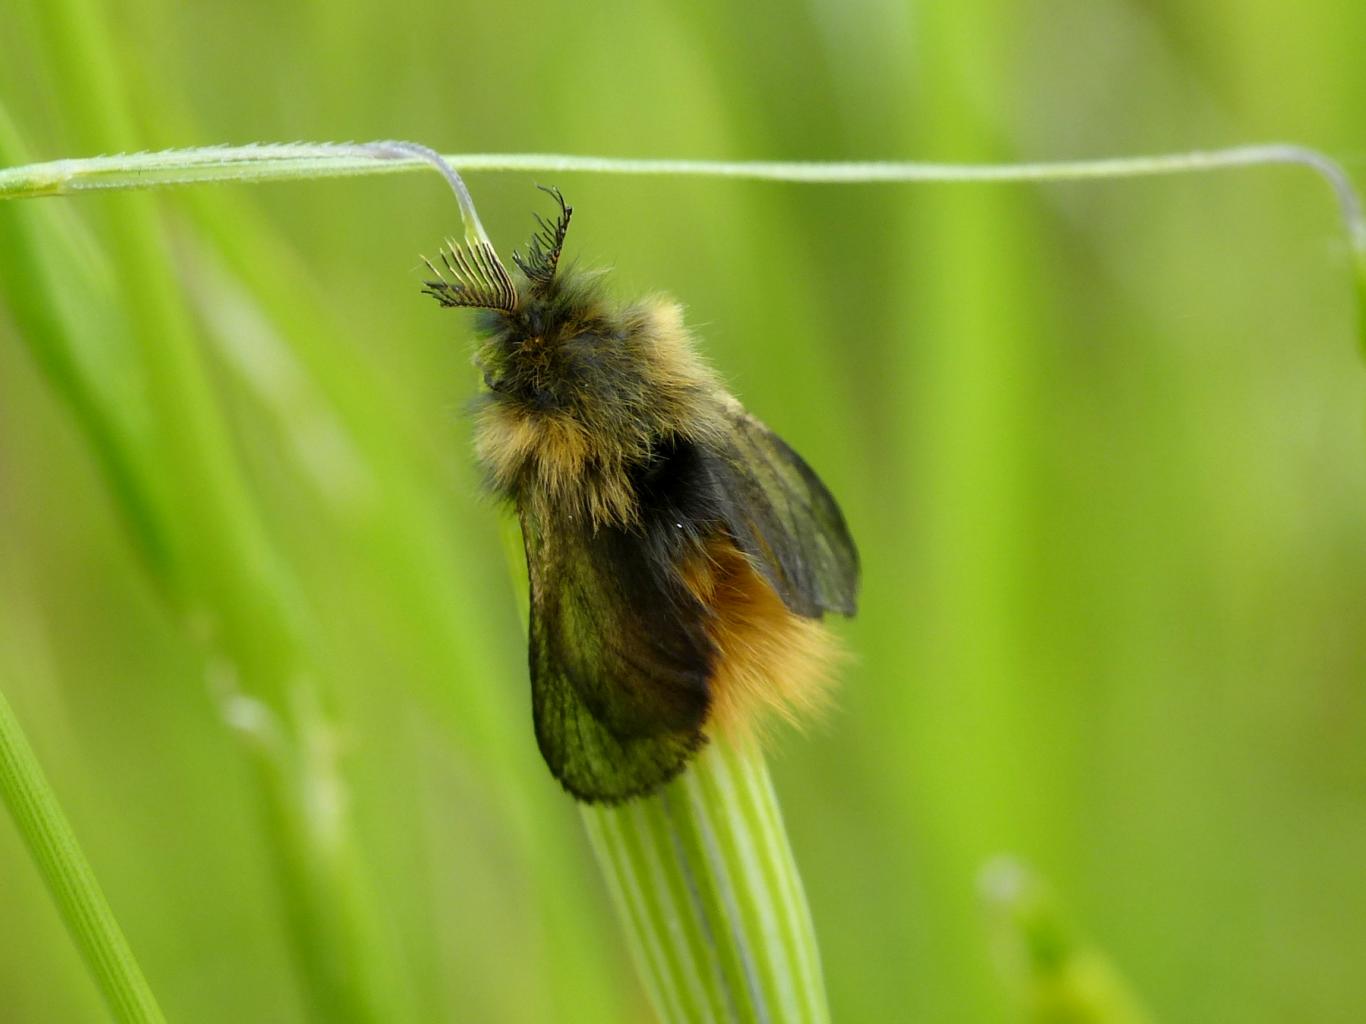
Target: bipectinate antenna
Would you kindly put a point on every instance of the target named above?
(543, 251)
(469, 272)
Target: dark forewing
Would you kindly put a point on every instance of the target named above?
(782, 516)
(619, 658)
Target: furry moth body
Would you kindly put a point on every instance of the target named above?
(681, 555)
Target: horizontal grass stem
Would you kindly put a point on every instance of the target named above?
(284, 161)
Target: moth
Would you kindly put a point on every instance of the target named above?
(681, 556)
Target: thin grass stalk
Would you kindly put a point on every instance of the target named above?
(707, 889)
(310, 160)
(259, 162)
(51, 842)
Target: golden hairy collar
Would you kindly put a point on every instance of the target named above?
(578, 398)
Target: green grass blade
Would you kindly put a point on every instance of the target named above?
(48, 835)
(45, 278)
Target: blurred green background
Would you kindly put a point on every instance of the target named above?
(1102, 446)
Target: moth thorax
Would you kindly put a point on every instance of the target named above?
(556, 462)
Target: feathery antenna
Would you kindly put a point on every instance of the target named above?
(543, 251)
(477, 276)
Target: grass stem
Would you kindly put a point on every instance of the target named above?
(708, 891)
(284, 161)
(48, 835)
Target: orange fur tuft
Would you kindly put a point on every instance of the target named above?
(771, 660)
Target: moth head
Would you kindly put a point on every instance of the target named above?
(552, 346)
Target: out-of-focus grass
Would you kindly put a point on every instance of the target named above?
(1101, 445)
(37, 815)
(1055, 975)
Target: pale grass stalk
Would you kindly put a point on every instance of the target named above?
(707, 888)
